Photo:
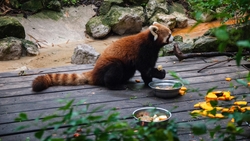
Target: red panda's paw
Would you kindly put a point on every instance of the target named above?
(159, 73)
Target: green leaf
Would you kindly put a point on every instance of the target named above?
(211, 89)
(177, 85)
(199, 128)
(22, 117)
(242, 82)
(67, 106)
(49, 117)
(221, 33)
(22, 127)
(39, 134)
(243, 43)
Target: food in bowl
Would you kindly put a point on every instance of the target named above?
(156, 115)
(167, 88)
(145, 116)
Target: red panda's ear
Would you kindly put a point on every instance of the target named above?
(153, 30)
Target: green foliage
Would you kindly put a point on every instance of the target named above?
(226, 10)
(69, 2)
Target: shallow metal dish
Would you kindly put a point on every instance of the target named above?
(159, 88)
(152, 111)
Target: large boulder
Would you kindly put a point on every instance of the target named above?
(181, 20)
(12, 48)
(121, 20)
(29, 48)
(32, 5)
(107, 4)
(10, 27)
(167, 20)
(84, 54)
(156, 6)
(205, 44)
(96, 28)
(125, 20)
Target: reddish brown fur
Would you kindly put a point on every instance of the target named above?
(126, 53)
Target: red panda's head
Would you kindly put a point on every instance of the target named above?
(161, 33)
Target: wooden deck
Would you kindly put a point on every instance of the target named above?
(16, 95)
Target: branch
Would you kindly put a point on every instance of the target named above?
(181, 56)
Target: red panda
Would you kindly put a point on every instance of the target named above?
(118, 63)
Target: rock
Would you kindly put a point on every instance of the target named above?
(207, 17)
(29, 48)
(178, 38)
(55, 5)
(176, 7)
(23, 68)
(205, 44)
(156, 6)
(167, 20)
(106, 5)
(96, 28)
(125, 20)
(10, 27)
(12, 48)
(167, 49)
(136, 2)
(181, 20)
(84, 54)
(32, 5)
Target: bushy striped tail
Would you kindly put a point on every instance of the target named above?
(44, 81)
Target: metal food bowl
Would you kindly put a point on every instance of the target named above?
(152, 111)
(166, 88)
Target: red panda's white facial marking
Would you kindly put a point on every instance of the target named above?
(168, 39)
(161, 32)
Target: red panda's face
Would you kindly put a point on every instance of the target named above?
(161, 33)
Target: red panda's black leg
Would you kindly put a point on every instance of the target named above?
(113, 78)
(146, 78)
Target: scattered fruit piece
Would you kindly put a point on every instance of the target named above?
(219, 115)
(219, 108)
(242, 103)
(225, 110)
(196, 112)
(197, 105)
(137, 81)
(248, 84)
(228, 79)
(206, 106)
(181, 92)
(232, 120)
(211, 96)
(183, 88)
(76, 135)
(159, 67)
(227, 95)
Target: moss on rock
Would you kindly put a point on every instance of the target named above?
(11, 27)
(32, 5)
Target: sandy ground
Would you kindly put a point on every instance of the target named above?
(57, 51)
